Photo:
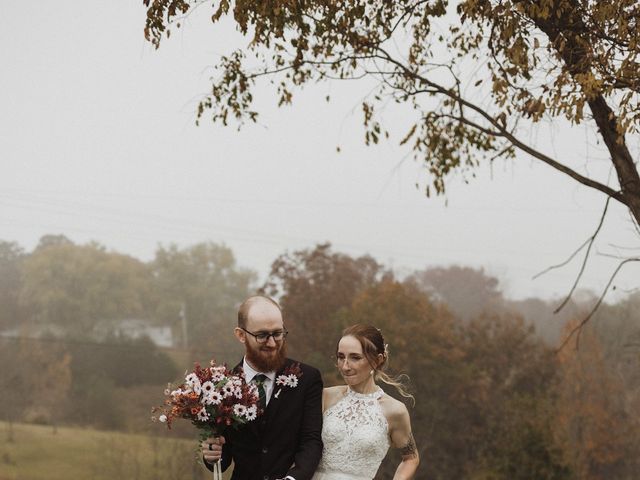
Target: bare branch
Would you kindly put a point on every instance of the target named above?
(615, 257)
(578, 328)
(559, 265)
(621, 247)
(586, 257)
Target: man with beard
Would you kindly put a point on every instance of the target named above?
(285, 441)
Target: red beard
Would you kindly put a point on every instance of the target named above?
(265, 361)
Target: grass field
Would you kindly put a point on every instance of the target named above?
(36, 453)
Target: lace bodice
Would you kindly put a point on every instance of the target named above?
(355, 436)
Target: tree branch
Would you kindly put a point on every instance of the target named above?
(586, 257)
(509, 136)
(578, 328)
(559, 265)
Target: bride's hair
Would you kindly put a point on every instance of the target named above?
(373, 345)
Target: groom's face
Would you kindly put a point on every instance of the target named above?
(269, 356)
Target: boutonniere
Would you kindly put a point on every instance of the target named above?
(289, 378)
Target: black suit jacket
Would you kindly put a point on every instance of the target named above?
(286, 439)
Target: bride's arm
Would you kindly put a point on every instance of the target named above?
(402, 438)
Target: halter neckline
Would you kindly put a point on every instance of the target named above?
(365, 396)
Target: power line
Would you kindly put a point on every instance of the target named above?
(427, 205)
(243, 235)
(94, 343)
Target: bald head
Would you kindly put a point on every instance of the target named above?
(258, 307)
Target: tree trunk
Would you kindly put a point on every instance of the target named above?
(620, 156)
(574, 50)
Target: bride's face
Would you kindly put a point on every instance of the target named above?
(352, 363)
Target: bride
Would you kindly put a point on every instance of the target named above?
(360, 421)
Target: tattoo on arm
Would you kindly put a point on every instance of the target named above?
(409, 450)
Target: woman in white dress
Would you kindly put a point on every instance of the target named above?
(360, 421)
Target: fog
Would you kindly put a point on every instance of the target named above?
(99, 142)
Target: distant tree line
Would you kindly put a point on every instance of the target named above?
(56, 298)
(494, 399)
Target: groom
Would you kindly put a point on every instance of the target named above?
(285, 441)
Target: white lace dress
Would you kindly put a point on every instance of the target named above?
(355, 434)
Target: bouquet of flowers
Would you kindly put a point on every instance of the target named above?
(213, 399)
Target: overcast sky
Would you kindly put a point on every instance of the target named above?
(98, 142)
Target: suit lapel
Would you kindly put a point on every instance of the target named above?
(277, 395)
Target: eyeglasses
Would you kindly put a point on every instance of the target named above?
(263, 337)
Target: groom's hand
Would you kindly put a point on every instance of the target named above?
(212, 449)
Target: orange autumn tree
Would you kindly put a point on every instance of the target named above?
(512, 375)
(592, 424)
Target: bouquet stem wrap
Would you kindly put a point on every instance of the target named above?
(217, 471)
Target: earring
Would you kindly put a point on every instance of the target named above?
(371, 372)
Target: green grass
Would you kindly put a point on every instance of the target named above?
(36, 452)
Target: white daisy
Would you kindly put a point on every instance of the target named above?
(253, 389)
(239, 410)
(252, 413)
(237, 392)
(282, 380)
(227, 390)
(194, 382)
(217, 377)
(214, 398)
(207, 388)
(292, 381)
(203, 415)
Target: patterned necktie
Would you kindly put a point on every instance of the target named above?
(259, 381)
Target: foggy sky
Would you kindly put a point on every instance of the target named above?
(98, 142)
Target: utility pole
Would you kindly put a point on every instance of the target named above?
(183, 320)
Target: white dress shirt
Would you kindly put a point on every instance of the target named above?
(250, 373)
